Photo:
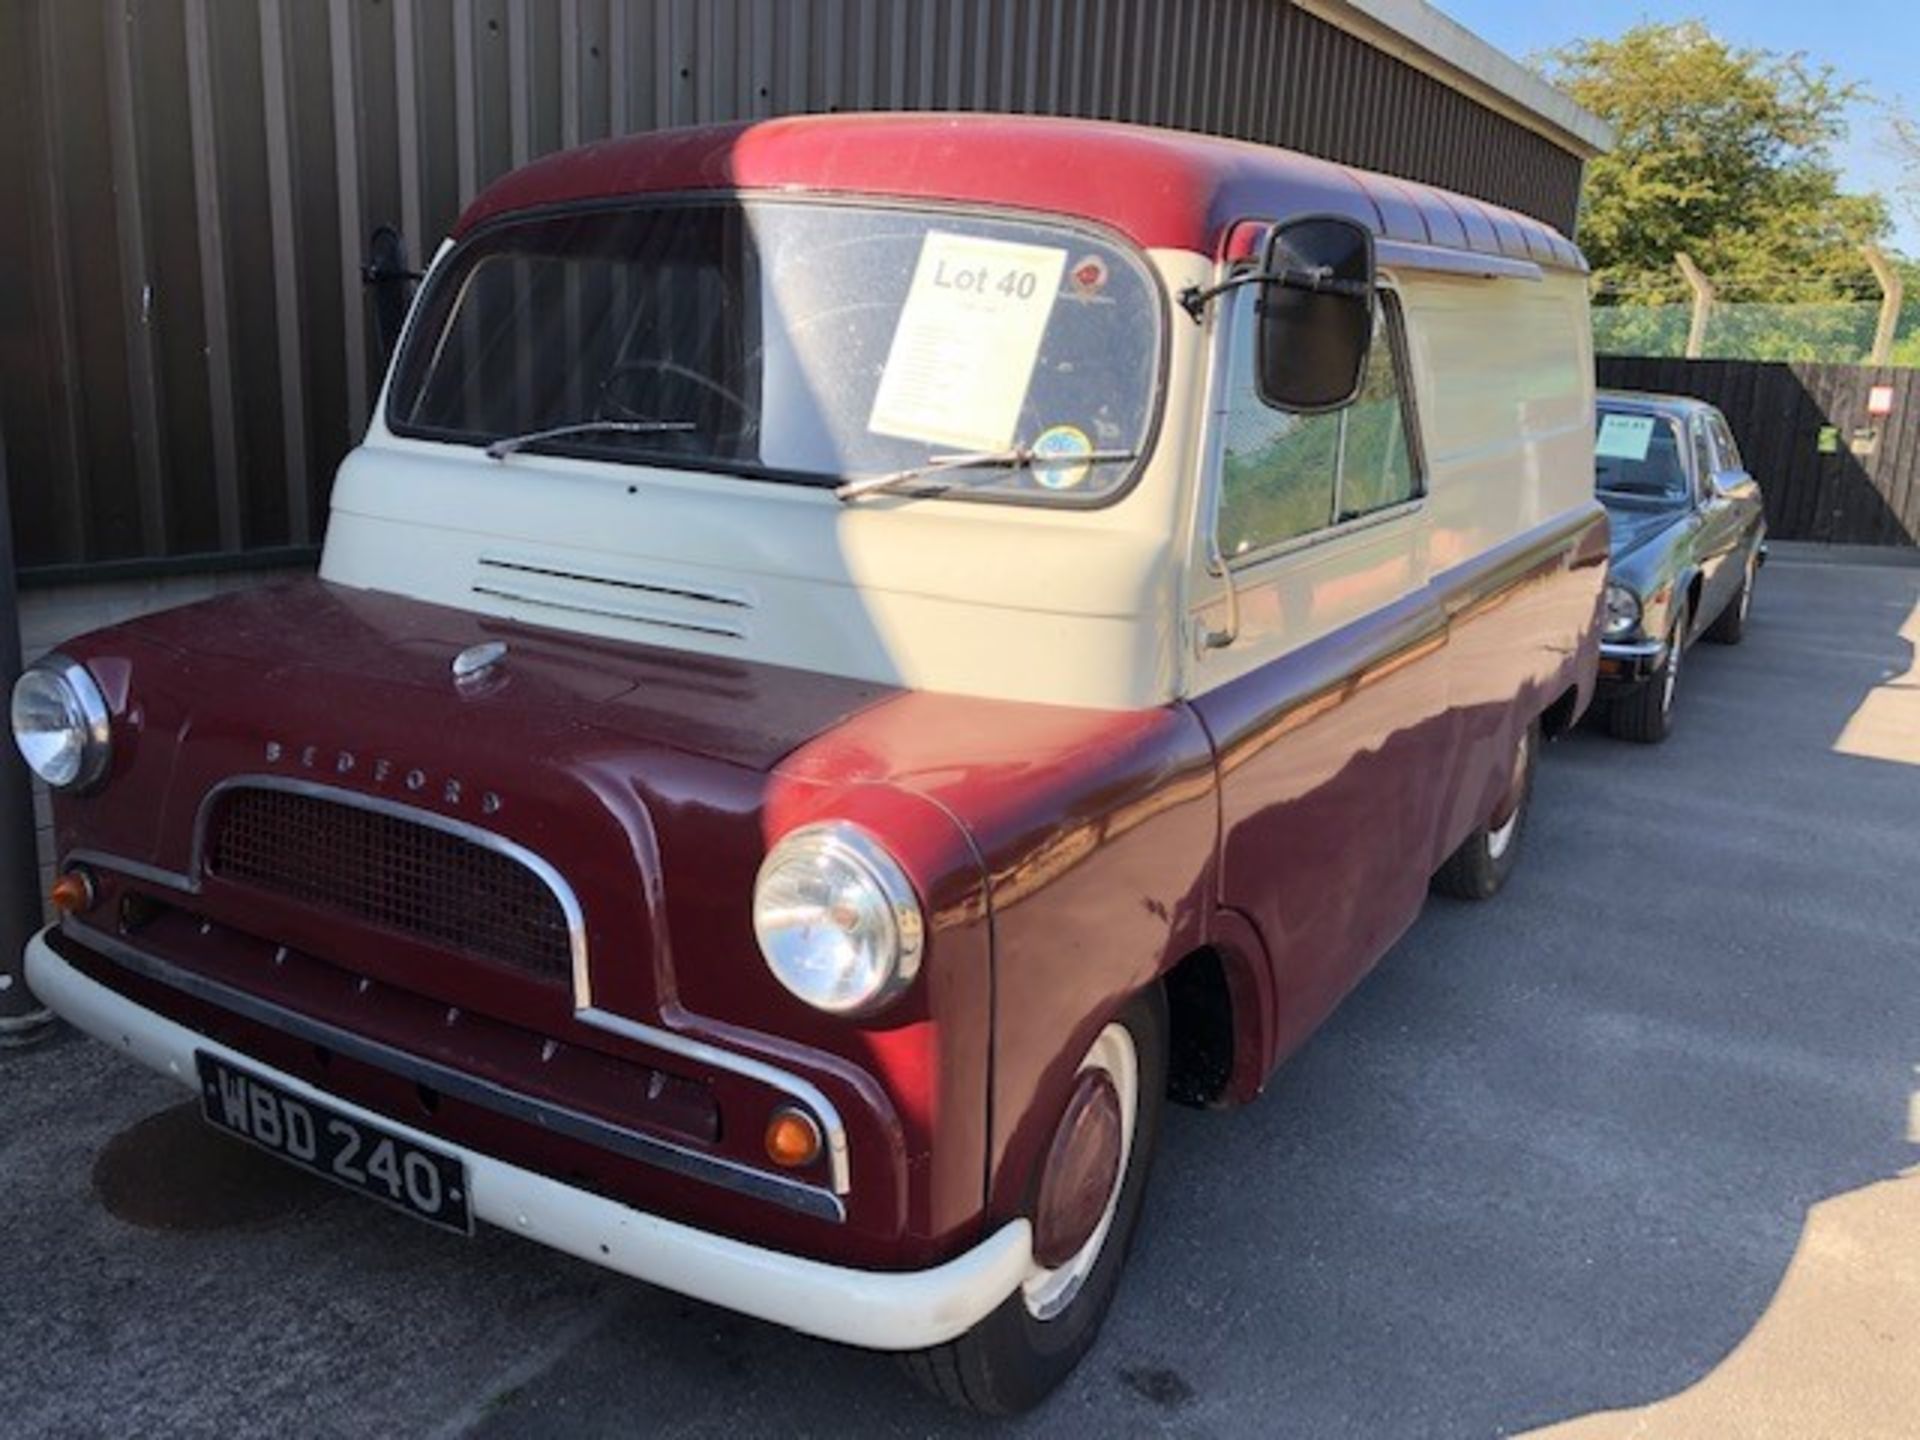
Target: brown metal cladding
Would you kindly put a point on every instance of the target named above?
(185, 352)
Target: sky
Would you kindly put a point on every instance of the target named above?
(1873, 42)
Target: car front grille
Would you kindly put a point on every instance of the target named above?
(387, 870)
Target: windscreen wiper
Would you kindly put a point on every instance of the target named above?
(1020, 457)
(508, 444)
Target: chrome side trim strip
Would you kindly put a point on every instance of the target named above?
(637, 1145)
(1412, 255)
(834, 1132)
(152, 874)
(833, 1129)
(610, 610)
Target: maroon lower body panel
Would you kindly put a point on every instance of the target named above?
(643, 1131)
(1350, 770)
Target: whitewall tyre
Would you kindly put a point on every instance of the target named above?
(1015, 1357)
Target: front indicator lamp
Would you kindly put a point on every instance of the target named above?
(73, 893)
(793, 1138)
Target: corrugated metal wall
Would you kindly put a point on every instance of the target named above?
(185, 352)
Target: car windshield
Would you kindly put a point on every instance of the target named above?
(1637, 456)
(811, 342)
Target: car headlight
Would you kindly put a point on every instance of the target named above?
(1623, 612)
(837, 919)
(61, 723)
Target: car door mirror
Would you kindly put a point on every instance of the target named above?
(1729, 482)
(1316, 313)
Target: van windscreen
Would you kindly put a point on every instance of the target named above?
(804, 341)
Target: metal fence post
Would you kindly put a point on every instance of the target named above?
(1702, 289)
(1891, 294)
(22, 1018)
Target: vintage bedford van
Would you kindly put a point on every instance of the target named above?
(857, 655)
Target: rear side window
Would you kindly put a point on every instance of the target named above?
(1702, 455)
(1723, 441)
(1285, 476)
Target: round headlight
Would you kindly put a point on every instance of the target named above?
(837, 919)
(1623, 612)
(61, 723)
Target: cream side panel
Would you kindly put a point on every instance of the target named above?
(1015, 602)
(1502, 380)
(1504, 374)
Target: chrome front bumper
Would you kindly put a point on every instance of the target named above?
(877, 1310)
(1629, 662)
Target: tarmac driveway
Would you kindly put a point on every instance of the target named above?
(1553, 1158)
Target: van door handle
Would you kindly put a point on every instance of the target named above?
(1218, 568)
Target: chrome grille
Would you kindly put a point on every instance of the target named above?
(390, 871)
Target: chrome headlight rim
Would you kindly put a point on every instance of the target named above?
(1623, 612)
(844, 842)
(87, 704)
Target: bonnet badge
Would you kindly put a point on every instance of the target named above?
(477, 662)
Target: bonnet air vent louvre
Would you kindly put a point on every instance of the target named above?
(671, 604)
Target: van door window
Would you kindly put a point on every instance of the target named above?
(1283, 475)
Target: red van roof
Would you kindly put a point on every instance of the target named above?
(1158, 187)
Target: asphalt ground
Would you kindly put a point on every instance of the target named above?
(1553, 1158)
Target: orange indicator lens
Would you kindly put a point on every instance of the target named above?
(793, 1139)
(72, 892)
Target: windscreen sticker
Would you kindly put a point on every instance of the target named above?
(1624, 437)
(967, 341)
(1089, 275)
(1056, 457)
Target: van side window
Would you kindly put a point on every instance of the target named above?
(1282, 475)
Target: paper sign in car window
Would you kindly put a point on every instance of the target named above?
(1624, 437)
(968, 339)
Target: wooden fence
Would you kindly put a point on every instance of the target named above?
(1832, 469)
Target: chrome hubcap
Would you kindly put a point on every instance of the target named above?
(1048, 1292)
(1672, 680)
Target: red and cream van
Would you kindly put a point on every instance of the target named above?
(857, 656)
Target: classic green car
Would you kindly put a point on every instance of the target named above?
(1689, 536)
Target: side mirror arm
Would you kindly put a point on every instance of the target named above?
(1195, 298)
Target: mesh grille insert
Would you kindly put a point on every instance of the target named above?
(392, 872)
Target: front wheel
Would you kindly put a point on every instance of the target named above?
(1015, 1357)
(1478, 869)
(1645, 716)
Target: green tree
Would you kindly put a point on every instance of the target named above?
(1723, 153)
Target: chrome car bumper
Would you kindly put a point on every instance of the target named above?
(877, 1310)
(1629, 662)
